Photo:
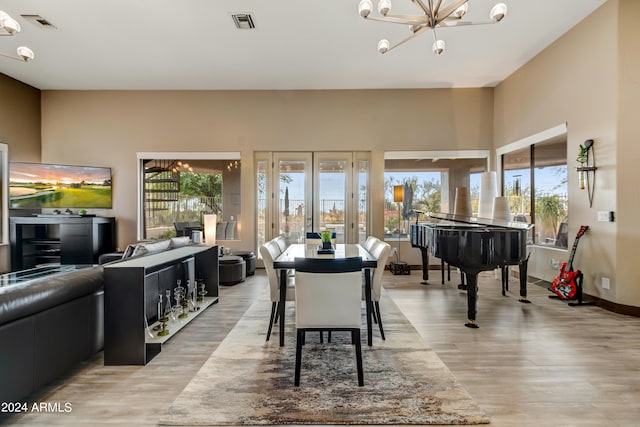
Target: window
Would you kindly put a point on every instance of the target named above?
(421, 190)
(534, 178)
(550, 202)
(430, 179)
(177, 192)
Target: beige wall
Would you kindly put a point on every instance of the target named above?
(108, 128)
(20, 119)
(577, 80)
(628, 153)
(19, 129)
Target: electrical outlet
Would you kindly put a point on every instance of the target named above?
(555, 264)
(605, 283)
(606, 216)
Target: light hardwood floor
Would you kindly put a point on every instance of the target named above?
(539, 364)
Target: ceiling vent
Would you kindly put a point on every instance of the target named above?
(39, 22)
(243, 21)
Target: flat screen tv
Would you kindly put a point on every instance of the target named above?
(40, 185)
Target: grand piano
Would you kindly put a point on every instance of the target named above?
(474, 245)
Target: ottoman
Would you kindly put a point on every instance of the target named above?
(250, 258)
(232, 269)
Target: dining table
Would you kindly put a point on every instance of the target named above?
(285, 262)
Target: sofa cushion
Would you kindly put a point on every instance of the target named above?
(24, 299)
(128, 252)
(177, 242)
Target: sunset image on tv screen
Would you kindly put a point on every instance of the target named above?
(36, 185)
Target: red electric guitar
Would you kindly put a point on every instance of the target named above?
(565, 285)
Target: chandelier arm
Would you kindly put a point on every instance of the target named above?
(413, 35)
(401, 19)
(436, 8)
(6, 55)
(451, 23)
(448, 11)
(425, 8)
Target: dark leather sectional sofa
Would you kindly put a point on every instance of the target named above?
(48, 326)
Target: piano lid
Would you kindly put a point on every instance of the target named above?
(481, 221)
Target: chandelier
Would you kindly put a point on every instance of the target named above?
(180, 166)
(435, 14)
(10, 27)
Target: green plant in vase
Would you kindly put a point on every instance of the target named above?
(325, 236)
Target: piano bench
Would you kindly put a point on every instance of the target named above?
(400, 268)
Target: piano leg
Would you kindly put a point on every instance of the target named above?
(505, 279)
(425, 265)
(523, 281)
(462, 285)
(448, 271)
(472, 296)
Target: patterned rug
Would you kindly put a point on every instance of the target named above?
(248, 381)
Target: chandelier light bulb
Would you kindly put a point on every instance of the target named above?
(364, 8)
(383, 46)
(384, 6)
(461, 11)
(25, 53)
(438, 47)
(9, 24)
(498, 12)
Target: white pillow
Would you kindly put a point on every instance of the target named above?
(177, 242)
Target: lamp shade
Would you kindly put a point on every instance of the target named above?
(462, 205)
(210, 223)
(488, 192)
(501, 208)
(398, 193)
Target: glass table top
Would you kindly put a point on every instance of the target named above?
(22, 276)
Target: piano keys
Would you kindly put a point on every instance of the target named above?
(474, 245)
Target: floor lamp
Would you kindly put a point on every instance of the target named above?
(399, 267)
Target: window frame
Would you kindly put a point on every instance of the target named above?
(529, 142)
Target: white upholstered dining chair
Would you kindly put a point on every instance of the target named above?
(269, 252)
(328, 298)
(369, 243)
(380, 250)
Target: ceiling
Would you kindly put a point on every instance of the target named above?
(297, 44)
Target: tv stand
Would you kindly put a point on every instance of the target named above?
(59, 239)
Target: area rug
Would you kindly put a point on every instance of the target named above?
(248, 381)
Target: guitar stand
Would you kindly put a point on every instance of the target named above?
(578, 295)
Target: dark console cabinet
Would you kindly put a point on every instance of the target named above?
(63, 239)
(131, 290)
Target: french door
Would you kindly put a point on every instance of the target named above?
(300, 192)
